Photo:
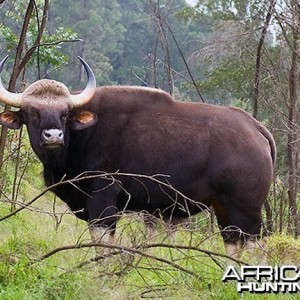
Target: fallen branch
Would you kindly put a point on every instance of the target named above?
(137, 250)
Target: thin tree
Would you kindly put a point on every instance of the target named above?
(290, 30)
(19, 62)
(293, 155)
(258, 57)
(257, 87)
(159, 20)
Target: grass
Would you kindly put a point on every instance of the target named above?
(160, 273)
(30, 234)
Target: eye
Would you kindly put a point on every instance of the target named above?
(33, 115)
(64, 117)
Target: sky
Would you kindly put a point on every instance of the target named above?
(191, 2)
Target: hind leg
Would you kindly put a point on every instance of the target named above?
(240, 225)
(255, 247)
(150, 222)
(231, 235)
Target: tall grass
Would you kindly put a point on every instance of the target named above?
(71, 274)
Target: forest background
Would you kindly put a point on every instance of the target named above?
(226, 52)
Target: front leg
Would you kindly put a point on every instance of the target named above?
(102, 235)
(103, 215)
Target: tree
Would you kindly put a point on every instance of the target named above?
(22, 33)
(97, 24)
(157, 41)
(20, 61)
(124, 41)
(290, 28)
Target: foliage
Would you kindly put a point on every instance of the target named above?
(97, 25)
(143, 59)
(122, 40)
(225, 59)
(49, 51)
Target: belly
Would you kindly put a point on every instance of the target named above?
(163, 197)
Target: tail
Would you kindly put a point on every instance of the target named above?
(267, 134)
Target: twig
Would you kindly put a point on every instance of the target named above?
(102, 175)
(137, 250)
(184, 60)
(121, 249)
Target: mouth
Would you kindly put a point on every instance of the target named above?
(52, 146)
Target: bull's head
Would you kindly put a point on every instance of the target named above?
(47, 108)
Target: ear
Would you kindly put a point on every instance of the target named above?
(83, 119)
(11, 119)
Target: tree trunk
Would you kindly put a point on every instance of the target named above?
(292, 147)
(258, 58)
(19, 63)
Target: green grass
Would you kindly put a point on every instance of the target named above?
(160, 273)
(30, 234)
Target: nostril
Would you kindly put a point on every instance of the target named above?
(53, 135)
(47, 134)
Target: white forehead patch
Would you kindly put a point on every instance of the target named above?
(47, 93)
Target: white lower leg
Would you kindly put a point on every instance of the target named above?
(101, 235)
(151, 226)
(172, 225)
(256, 250)
(234, 250)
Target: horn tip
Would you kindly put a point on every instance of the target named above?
(5, 58)
(2, 62)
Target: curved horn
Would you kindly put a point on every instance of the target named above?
(7, 97)
(87, 94)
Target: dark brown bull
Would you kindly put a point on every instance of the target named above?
(217, 156)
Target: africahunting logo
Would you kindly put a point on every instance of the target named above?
(264, 279)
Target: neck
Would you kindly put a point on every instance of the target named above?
(54, 167)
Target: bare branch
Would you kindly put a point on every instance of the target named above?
(185, 62)
(41, 28)
(109, 176)
(137, 250)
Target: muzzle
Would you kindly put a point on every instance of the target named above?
(52, 138)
